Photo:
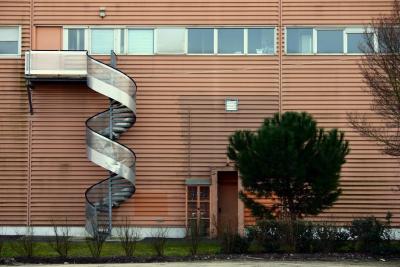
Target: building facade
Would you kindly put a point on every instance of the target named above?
(203, 69)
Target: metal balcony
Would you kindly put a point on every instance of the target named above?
(55, 65)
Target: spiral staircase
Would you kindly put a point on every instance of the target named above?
(102, 130)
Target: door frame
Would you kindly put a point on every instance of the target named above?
(214, 201)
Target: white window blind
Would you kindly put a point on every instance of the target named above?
(102, 41)
(140, 41)
(171, 40)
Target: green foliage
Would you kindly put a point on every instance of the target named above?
(233, 243)
(159, 240)
(331, 238)
(298, 236)
(268, 234)
(62, 239)
(24, 245)
(128, 237)
(291, 158)
(370, 235)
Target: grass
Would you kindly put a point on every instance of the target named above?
(143, 249)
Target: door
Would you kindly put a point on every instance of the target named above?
(48, 38)
(228, 197)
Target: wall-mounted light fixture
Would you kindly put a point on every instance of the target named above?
(102, 12)
(231, 104)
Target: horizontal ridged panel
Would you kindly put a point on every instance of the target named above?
(167, 88)
(14, 122)
(332, 12)
(160, 12)
(329, 87)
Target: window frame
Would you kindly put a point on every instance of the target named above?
(215, 44)
(19, 48)
(118, 29)
(155, 41)
(313, 48)
(274, 41)
(65, 36)
(345, 30)
(116, 41)
(359, 30)
(127, 40)
(244, 41)
(315, 40)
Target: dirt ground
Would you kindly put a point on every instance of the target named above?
(253, 263)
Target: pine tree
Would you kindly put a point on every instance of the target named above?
(289, 158)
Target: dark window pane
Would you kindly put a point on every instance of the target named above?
(76, 39)
(204, 193)
(299, 40)
(330, 41)
(8, 47)
(201, 41)
(204, 210)
(261, 41)
(192, 193)
(230, 41)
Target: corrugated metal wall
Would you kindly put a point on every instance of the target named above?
(14, 124)
(180, 110)
(169, 88)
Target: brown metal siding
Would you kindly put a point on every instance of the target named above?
(161, 12)
(329, 87)
(180, 110)
(332, 12)
(14, 165)
(168, 87)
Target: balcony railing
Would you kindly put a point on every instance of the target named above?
(56, 64)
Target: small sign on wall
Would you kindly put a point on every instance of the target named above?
(231, 104)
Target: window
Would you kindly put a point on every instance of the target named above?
(171, 41)
(230, 41)
(354, 42)
(329, 41)
(261, 41)
(140, 41)
(299, 40)
(198, 208)
(200, 41)
(102, 41)
(76, 39)
(9, 41)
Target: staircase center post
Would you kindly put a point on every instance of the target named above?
(111, 174)
(113, 64)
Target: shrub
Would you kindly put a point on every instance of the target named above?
(369, 235)
(303, 236)
(158, 241)
(298, 236)
(24, 244)
(62, 239)
(193, 235)
(233, 243)
(128, 238)
(330, 238)
(267, 234)
(96, 241)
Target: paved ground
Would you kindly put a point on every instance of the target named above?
(241, 264)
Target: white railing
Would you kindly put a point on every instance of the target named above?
(56, 63)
